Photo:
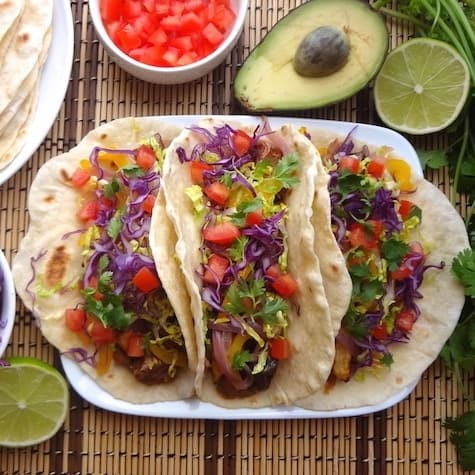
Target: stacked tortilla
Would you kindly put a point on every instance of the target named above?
(25, 35)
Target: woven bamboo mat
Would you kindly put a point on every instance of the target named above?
(408, 438)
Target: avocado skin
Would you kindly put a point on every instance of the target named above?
(267, 80)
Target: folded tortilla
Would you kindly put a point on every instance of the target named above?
(443, 232)
(49, 263)
(310, 329)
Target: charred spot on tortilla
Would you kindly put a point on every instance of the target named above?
(103, 137)
(64, 175)
(49, 198)
(5, 6)
(23, 38)
(57, 265)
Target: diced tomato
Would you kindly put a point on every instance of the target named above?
(186, 30)
(380, 332)
(405, 208)
(350, 163)
(135, 347)
(365, 236)
(146, 157)
(241, 142)
(376, 167)
(148, 204)
(217, 192)
(212, 34)
(273, 271)
(223, 233)
(158, 37)
(217, 267)
(405, 320)
(131, 9)
(75, 318)
(197, 169)
(89, 211)
(80, 177)
(146, 280)
(110, 10)
(285, 285)
(100, 334)
(254, 218)
(128, 38)
(416, 247)
(280, 348)
(401, 273)
(93, 284)
(223, 17)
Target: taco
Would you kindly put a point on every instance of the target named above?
(399, 235)
(241, 202)
(106, 291)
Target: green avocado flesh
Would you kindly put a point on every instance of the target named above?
(267, 80)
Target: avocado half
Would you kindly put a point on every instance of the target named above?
(267, 80)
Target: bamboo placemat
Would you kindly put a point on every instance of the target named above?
(408, 438)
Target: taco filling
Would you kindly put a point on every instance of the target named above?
(240, 184)
(374, 222)
(125, 313)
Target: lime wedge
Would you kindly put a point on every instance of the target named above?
(34, 400)
(421, 87)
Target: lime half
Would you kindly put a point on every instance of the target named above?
(422, 86)
(34, 400)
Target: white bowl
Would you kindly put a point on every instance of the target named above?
(171, 75)
(7, 303)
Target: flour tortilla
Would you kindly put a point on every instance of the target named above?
(10, 14)
(443, 232)
(311, 331)
(52, 205)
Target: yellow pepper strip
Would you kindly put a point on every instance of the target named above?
(113, 161)
(169, 356)
(104, 358)
(236, 345)
(401, 171)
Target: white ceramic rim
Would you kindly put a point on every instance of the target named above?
(7, 304)
(230, 39)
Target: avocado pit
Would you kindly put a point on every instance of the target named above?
(322, 52)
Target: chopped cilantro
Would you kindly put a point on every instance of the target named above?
(133, 171)
(286, 169)
(236, 251)
(242, 210)
(463, 267)
(240, 359)
(387, 359)
(111, 188)
(394, 251)
(115, 224)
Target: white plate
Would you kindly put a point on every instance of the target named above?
(87, 388)
(53, 85)
(7, 303)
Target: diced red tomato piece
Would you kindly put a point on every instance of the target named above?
(176, 8)
(158, 37)
(363, 236)
(380, 332)
(187, 58)
(241, 142)
(171, 23)
(376, 167)
(75, 318)
(93, 284)
(135, 347)
(100, 334)
(162, 8)
(350, 163)
(285, 285)
(223, 17)
(128, 38)
(149, 5)
(146, 280)
(131, 9)
(80, 177)
(183, 43)
(171, 55)
(212, 34)
(89, 211)
(148, 204)
(254, 218)
(405, 320)
(194, 5)
(217, 192)
(273, 271)
(403, 272)
(146, 157)
(223, 233)
(191, 22)
(217, 267)
(111, 10)
(197, 169)
(405, 208)
(280, 348)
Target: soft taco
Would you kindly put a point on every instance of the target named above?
(107, 291)
(399, 235)
(241, 201)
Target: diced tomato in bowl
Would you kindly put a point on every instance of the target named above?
(168, 41)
